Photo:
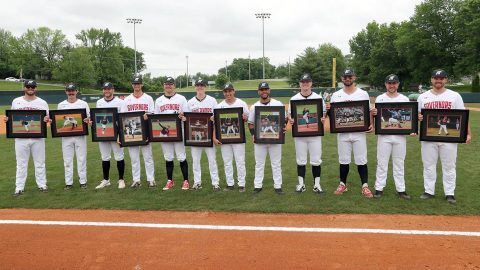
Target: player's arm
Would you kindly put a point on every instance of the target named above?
(469, 135)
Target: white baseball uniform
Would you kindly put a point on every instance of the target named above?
(75, 145)
(447, 152)
(391, 145)
(205, 105)
(134, 104)
(23, 147)
(168, 105)
(356, 141)
(106, 148)
(235, 150)
(261, 150)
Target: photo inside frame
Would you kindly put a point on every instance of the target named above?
(349, 117)
(198, 129)
(396, 118)
(69, 122)
(104, 125)
(24, 123)
(229, 126)
(307, 118)
(439, 125)
(269, 125)
(132, 129)
(164, 128)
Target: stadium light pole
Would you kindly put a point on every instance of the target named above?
(263, 16)
(134, 21)
(187, 69)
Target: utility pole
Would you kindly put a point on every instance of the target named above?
(263, 16)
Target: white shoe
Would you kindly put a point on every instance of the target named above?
(300, 188)
(121, 184)
(104, 183)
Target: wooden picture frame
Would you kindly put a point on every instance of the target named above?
(307, 114)
(198, 129)
(350, 116)
(104, 124)
(229, 125)
(132, 129)
(396, 118)
(443, 125)
(69, 122)
(26, 124)
(269, 124)
(165, 128)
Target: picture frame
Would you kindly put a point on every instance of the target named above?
(132, 129)
(444, 125)
(26, 124)
(396, 118)
(350, 116)
(198, 129)
(104, 124)
(68, 122)
(165, 128)
(229, 125)
(269, 124)
(307, 119)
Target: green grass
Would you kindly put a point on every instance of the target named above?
(468, 187)
(245, 85)
(460, 88)
(4, 86)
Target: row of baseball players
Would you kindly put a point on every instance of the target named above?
(388, 145)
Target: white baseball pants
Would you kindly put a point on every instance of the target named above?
(22, 153)
(106, 151)
(308, 145)
(237, 151)
(212, 164)
(71, 146)
(134, 152)
(171, 148)
(275, 152)
(447, 152)
(356, 141)
(395, 146)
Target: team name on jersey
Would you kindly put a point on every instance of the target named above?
(28, 108)
(173, 107)
(438, 105)
(137, 107)
(203, 110)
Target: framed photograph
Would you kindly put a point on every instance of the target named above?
(351, 116)
(229, 125)
(396, 118)
(307, 114)
(441, 125)
(269, 123)
(165, 128)
(104, 124)
(132, 129)
(26, 124)
(198, 129)
(66, 123)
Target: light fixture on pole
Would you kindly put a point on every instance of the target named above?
(134, 21)
(263, 16)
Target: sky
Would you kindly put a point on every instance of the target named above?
(210, 32)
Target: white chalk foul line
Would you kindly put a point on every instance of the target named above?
(237, 228)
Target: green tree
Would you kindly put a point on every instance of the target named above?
(76, 66)
(221, 81)
(467, 23)
(476, 84)
(281, 71)
(6, 69)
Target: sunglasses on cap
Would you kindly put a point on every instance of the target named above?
(30, 87)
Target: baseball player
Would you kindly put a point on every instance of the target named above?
(140, 101)
(261, 150)
(67, 120)
(171, 102)
(391, 145)
(230, 126)
(306, 115)
(308, 145)
(442, 122)
(267, 125)
(106, 148)
(440, 98)
(352, 141)
(75, 145)
(205, 104)
(26, 125)
(23, 146)
(165, 130)
(235, 150)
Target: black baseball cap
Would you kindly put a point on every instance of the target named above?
(71, 86)
(228, 86)
(440, 73)
(392, 78)
(30, 83)
(169, 80)
(263, 85)
(306, 77)
(200, 82)
(107, 85)
(348, 72)
(137, 80)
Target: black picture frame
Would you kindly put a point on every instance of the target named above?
(357, 113)
(269, 119)
(396, 118)
(198, 129)
(26, 124)
(68, 122)
(455, 121)
(228, 120)
(104, 131)
(307, 121)
(132, 129)
(165, 128)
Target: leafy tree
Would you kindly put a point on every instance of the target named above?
(467, 23)
(76, 66)
(221, 81)
(476, 84)
(282, 71)
(238, 69)
(6, 69)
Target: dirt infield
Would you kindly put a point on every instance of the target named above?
(93, 247)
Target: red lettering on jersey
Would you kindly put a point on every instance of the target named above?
(28, 108)
(167, 107)
(137, 107)
(438, 105)
(203, 110)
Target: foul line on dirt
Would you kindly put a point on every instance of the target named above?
(238, 228)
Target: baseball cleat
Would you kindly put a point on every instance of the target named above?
(342, 188)
(185, 185)
(366, 192)
(426, 196)
(229, 188)
(317, 190)
(169, 185)
(18, 193)
(121, 184)
(83, 186)
(135, 184)
(151, 184)
(451, 199)
(217, 188)
(378, 194)
(196, 187)
(300, 188)
(43, 189)
(257, 190)
(279, 191)
(404, 195)
(103, 183)
(241, 189)
(68, 187)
